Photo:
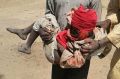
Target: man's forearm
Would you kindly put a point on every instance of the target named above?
(103, 42)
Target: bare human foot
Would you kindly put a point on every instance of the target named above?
(24, 49)
(19, 32)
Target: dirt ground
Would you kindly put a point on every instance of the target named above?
(16, 65)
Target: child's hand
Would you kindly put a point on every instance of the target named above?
(104, 24)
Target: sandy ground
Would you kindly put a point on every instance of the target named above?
(16, 65)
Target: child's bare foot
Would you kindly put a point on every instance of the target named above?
(24, 49)
(19, 32)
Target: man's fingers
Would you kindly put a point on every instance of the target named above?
(85, 41)
(88, 40)
(80, 42)
(84, 50)
(87, 47)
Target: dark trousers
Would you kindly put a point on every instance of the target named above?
(71, 73)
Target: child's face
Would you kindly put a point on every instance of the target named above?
(74, 32)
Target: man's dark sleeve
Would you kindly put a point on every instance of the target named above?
(50, 6)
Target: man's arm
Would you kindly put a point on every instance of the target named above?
(113, 37)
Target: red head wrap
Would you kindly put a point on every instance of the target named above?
(84, 20)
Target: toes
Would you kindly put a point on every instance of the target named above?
(18, 32)
(11, 30)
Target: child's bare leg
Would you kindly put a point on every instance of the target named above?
(26, 48)
(45, 36)
(22, 33)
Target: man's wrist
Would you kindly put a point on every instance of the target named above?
(99, 46)
(103, 42)
(108, 25)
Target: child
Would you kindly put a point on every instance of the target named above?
(82, 22)
(61, 47)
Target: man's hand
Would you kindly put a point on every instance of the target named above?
(104, 24)
(90, 45)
